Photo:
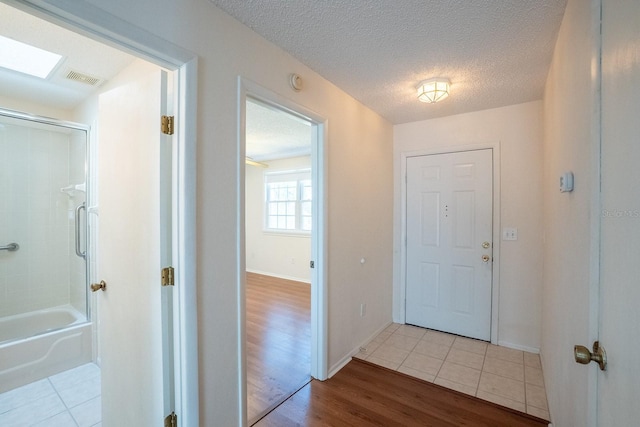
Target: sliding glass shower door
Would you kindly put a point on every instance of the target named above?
(43, 221)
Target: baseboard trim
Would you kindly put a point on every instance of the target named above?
(341, 364)
(346, 359)
(280, 276)
(519, 347)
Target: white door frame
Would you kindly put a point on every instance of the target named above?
(95, 23)
(319, 173)
(495, 288)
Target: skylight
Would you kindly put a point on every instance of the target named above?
(27, 59)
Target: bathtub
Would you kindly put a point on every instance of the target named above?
(42, 343)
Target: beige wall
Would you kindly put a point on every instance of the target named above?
(37, 109)
(518, 130)
(359, 182)
(277, 254)
(569, 114)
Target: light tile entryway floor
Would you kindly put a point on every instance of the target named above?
(508, 377)
(67, 399)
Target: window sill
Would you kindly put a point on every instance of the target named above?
(287, 233)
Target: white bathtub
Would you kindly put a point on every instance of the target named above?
(42, 343)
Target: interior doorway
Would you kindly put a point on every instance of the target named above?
(179, 203)
(283, 241)
(278, 227)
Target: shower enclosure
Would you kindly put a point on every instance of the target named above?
(44, 303)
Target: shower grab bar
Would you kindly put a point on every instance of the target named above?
(11, 247)
(78, 251)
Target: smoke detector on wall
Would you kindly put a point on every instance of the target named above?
(295, 81)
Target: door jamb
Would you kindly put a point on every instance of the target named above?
(319, 298)
(100, 25)
(400, 288)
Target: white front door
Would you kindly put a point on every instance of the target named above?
(449, 231)
(130, 246)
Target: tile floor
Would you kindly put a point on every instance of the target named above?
(508, 377)
(67, 399)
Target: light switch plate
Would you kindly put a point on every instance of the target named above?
(509, 234)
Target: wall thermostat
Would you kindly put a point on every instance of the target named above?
(566, 182)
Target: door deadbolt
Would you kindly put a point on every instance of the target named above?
(98, 286)
(486, 245)
(584, 356)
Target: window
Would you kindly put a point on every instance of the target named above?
(288, 198)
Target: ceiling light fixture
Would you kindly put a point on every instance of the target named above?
(433, 90)
(27, 59)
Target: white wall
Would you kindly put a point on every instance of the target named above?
(276, 254)
(359, 182)
(569, 114)
(518, 130)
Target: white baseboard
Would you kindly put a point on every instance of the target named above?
(372, 336)
(346, 359)
(519, 347)
(280, 276)
(341, 364)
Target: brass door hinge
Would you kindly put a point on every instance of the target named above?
(171, 420)
(167, 125)
(167, 276)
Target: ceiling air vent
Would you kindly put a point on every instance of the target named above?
(84, 78)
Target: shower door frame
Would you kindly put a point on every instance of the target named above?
(20, 115)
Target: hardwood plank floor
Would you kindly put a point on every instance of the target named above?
(364, 394)
(278, 316)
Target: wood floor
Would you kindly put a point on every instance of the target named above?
(278, 316)
(364, 394)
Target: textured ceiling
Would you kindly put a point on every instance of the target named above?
(79, 54)
(274, 134)
(495, 52)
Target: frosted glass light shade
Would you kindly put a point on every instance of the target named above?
(433, 90)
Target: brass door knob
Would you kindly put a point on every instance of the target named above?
(485, 258)
(584, 356)
(98, 286)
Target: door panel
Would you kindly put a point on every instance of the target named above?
(619, 385)
(129, 146)
(449, 216)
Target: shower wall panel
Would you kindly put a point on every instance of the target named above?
(34, 166)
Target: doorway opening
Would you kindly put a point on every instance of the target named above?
(84, 110)
(278, 228)
(283, 246)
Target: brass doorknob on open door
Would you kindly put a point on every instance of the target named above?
(97, 286)
(584, 356)
(485, 258)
